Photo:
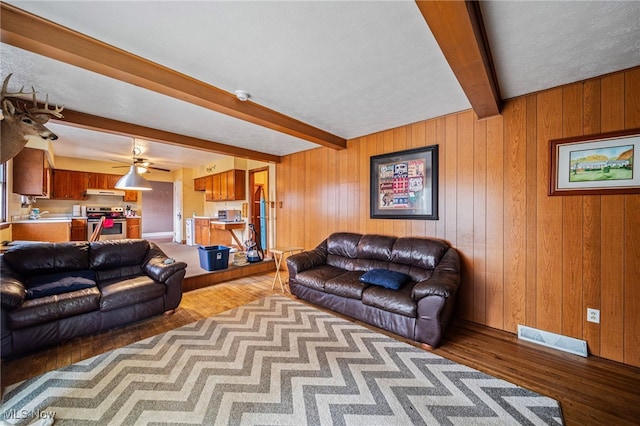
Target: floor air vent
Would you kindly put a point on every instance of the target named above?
(552, 340)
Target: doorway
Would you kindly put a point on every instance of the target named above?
(259, 205)
(157, 211)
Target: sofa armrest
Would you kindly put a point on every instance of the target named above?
(12, 293)
(307, 259)
(158, 266)
(160, 271)
(445, 279)
(13, 290)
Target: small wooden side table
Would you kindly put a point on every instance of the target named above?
(278, 255)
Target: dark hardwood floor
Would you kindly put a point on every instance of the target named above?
(591, 391)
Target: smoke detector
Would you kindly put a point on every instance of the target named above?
(242, 95)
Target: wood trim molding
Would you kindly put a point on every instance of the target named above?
(87, 121)
(38, 35)
(458, 28)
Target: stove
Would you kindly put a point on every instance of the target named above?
(115, 226)
(109, 212)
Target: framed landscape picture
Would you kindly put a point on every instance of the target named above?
(404, 184)
(595, 165)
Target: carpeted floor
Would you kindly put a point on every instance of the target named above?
(274, 361)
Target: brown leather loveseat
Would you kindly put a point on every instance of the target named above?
(56, 291)
(420, 308)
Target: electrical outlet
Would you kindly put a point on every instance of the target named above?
(593, 315)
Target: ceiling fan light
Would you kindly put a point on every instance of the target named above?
(133, 181)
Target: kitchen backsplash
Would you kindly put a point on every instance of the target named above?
(66, 207)
(211, 208)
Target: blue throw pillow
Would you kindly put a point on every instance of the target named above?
(385, 278)
(63, 282)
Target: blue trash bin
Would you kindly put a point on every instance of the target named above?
(214, 258)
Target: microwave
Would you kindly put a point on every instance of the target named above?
(229, 215)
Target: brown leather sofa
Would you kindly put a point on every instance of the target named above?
(420, 310)
(51, 292)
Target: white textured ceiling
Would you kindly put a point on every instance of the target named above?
(349, 68)
(537, 45)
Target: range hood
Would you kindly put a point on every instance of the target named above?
(114, 192)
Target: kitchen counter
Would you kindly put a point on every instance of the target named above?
(53, 219)
(214, 220)
(234, 225)
(217, 225)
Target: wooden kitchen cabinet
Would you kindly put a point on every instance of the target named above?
(202, 231)
(209, 232)
(102, 181)
(226, 186)
(96, 181)
(78, 230)
(31, 173)
(200, 184)
(223, 192)
(112, 180)
(109, 181)
(218, 237)
(213, 188)
(133, 227)
(236, 185)
(69, 185)
(131, 196)
(53, 232)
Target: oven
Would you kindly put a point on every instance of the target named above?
(115, 223)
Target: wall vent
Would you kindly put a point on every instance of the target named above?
(552, 340)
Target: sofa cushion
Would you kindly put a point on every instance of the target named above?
(118, 292)
(421, 252)
(118, 273)
(317, 277)
(62, 282)
(385, 278)
(343, 244)
(51, 308)
(396, 301)
(346, 285)
(48, 258)
(376, 247)
(114, 254)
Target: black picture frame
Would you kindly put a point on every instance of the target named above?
(404, 184)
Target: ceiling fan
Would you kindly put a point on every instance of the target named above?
(142, 164)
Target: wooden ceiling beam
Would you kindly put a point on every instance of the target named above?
(35, 34)
(458, 28)
(93, 122)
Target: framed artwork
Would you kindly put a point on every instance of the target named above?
(599, 164)
(404, 184)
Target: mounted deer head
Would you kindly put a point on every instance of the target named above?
(19, 123)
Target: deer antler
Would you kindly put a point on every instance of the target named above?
(35, 110)
(56, 112)
(6, 94)
(19, 122)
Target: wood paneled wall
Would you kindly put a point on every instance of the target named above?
(528, 258)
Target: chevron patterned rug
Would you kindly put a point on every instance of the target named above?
(275, 361)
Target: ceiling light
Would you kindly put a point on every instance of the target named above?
(133, 181)
(242, 95)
